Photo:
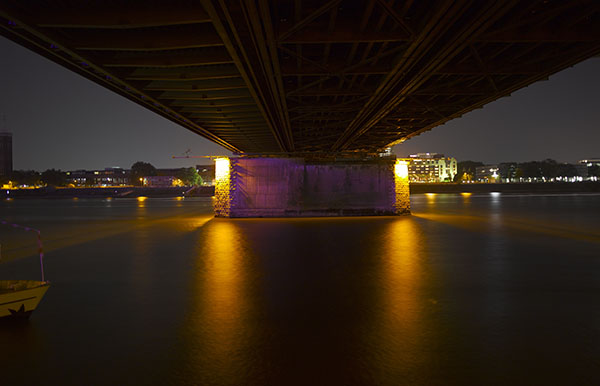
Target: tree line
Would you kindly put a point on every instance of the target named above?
(139, 170)
(547, 169)
(56, 177)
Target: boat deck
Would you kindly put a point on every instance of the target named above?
(8, 286)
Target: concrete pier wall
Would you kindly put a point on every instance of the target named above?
(292, 187)
(266, 187)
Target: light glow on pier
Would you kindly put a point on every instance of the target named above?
(222, 186)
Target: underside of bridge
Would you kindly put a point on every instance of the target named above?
(308, 76)
(312, 81)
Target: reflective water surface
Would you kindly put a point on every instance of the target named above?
(471, 289)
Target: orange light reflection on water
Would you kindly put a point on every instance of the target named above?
(215, 318)
(402, 306)
(403, 257)
(520, 226)
(141, 200)
(430, 198)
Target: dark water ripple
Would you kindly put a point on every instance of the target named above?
(484, 290)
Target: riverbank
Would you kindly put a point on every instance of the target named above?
(541, 187)
(208, 191)
(112, 192)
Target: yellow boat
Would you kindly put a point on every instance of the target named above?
(18, 298)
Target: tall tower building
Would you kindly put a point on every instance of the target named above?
(6, 164)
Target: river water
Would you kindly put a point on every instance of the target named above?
(488, 289)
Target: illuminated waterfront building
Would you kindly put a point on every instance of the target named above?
(6, 164)
(590, 162)
(117, 176)
(591, 168)
(161, 181)
(431, 167)
(107, 177)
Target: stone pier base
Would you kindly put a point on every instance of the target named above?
(294, 187)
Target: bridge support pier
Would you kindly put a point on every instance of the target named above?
(295, 187)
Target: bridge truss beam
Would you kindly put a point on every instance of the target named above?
(302, 76)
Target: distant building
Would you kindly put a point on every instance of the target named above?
(6, 163)
(587, 169)
(160, 181)
(107, 177)
(387, 152)
(431, 167)
(116, 176)
(164, 178)
(590, 162)
(592, 169)
(487, 173)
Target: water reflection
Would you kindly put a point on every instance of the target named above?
(466, 197)
(266, 312)
(430, 198)
(142, 267)
(213, 332)
(16, 341)
(455, 294)
(220, 286)
(402, 327)
(496, 199)
(141, 201)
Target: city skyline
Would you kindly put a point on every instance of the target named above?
(61, 120)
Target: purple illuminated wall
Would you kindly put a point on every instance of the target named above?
(291, 187)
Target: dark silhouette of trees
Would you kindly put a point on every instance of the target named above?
(465, 170)
(25, 177)
(508, 170)
(549, 168)
(594, 171)
(546, 170)
(566, 170)
(531, 169)
(189, 176)
(139, 170)
(53, 177)
(89, 181)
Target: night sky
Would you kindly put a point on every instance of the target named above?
(62, 120)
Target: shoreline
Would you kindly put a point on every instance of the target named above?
(109, 192)
(531, 188)
(208, 191)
